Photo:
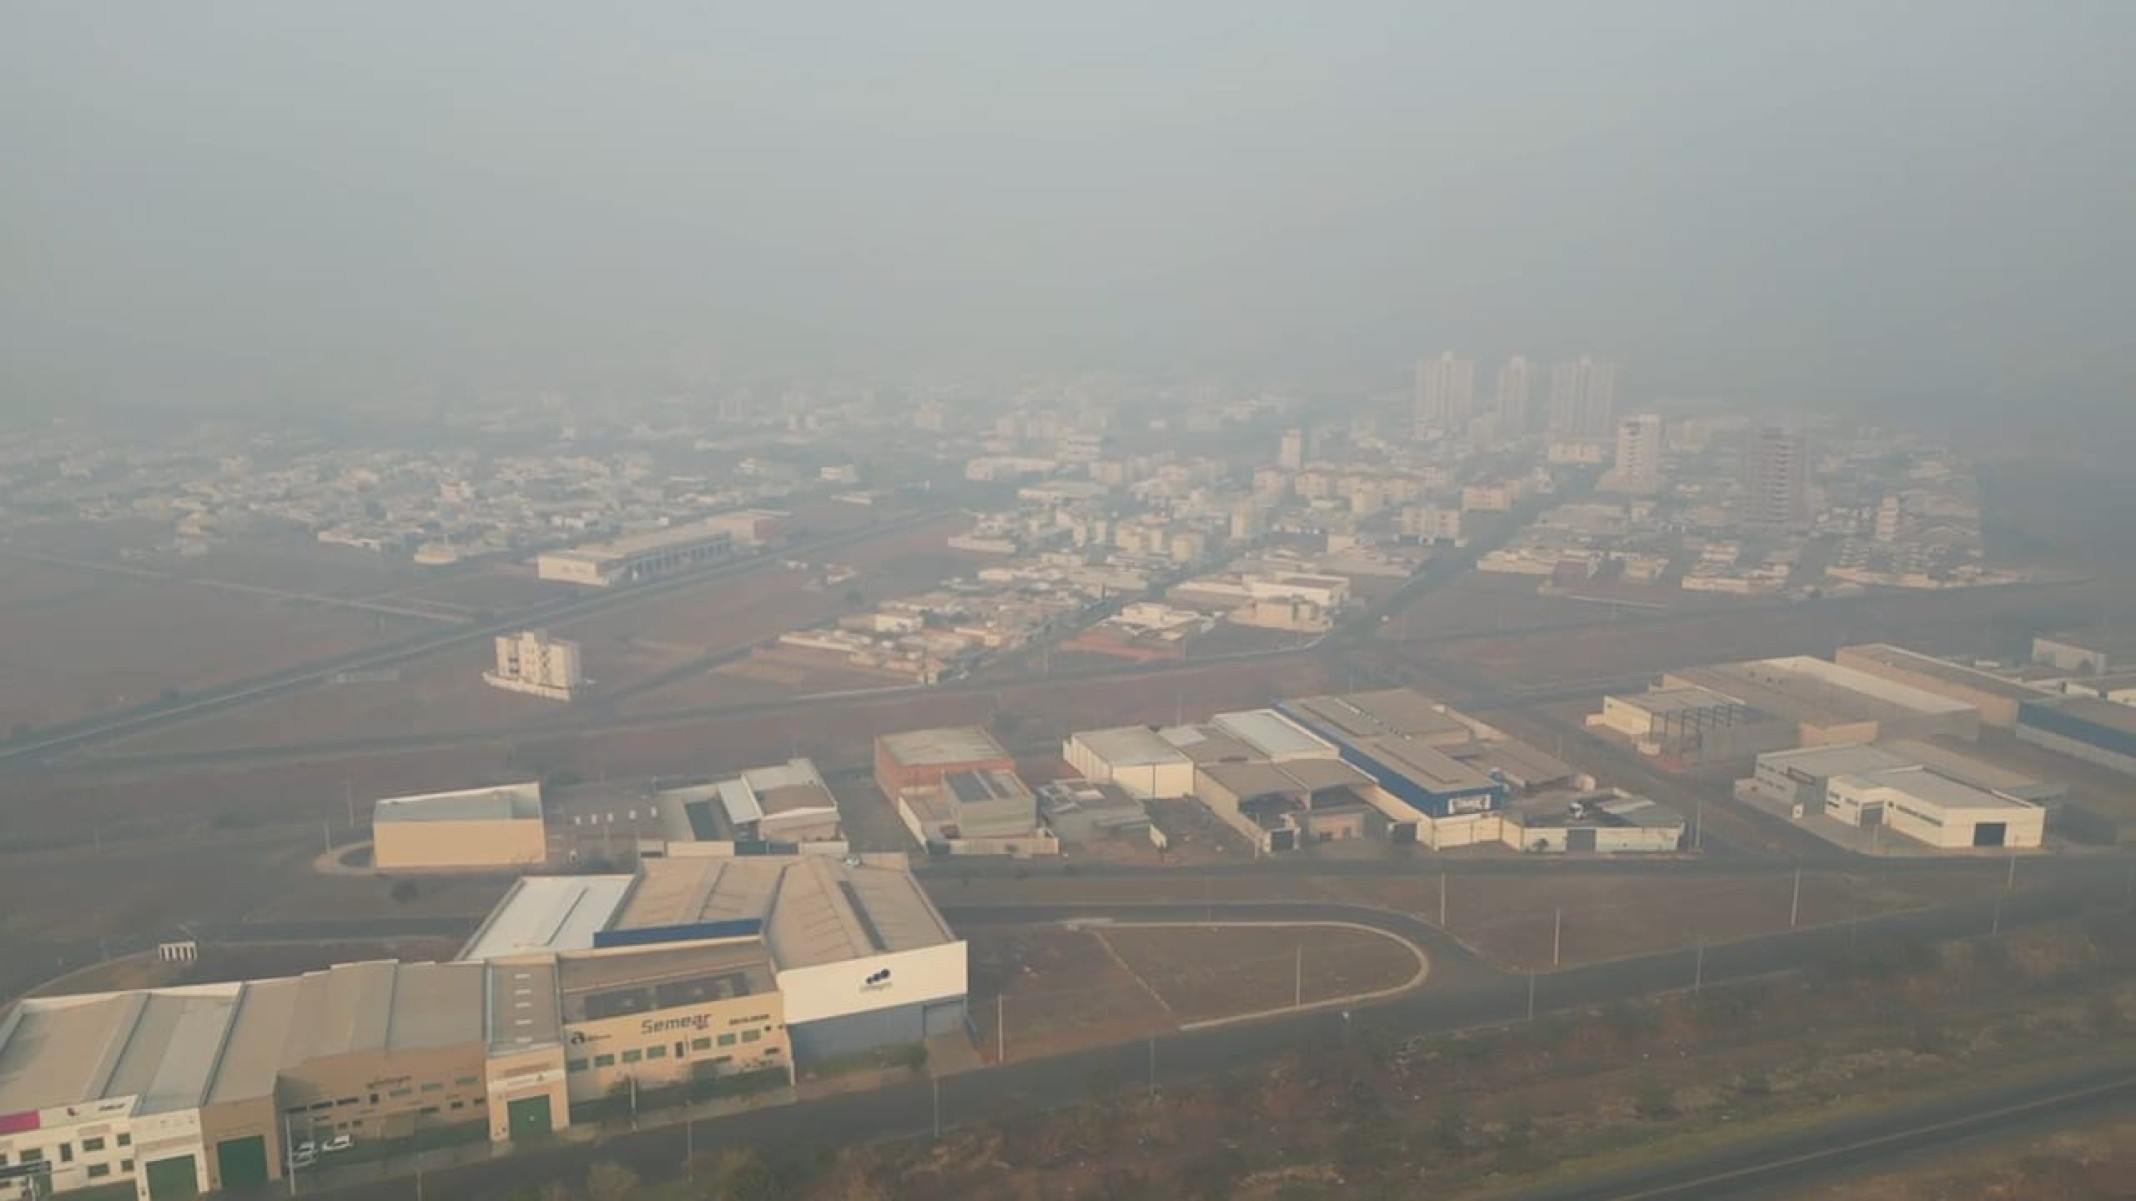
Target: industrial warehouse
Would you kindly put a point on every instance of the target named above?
(1392, 765)
(689, 971)
(498, 827)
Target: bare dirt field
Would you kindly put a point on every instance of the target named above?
(76, 642)
(623, 649)
(496, 586)
(1054, 989)
(1204, 972)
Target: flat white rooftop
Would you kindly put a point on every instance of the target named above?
(1272, 734)
(946, 744)
(1824, 762)
(505, 802)
(1936, 789)
(1131, 746)
(548, 913)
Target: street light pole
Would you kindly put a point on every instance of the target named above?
(1557, 934)
(1794, 905)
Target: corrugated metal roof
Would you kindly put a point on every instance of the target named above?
(1388, 711)
(170, 1056)
(62, 1050)
(1434, 769)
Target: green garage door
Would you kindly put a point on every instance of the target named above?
(174, 1177)
(242, 1162)
(529, 1117)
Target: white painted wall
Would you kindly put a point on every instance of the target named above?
(833, 990)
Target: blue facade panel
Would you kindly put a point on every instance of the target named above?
(2056, 720)
(747, 927)
(1426, 801)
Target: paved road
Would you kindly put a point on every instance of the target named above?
(1461, 993)
(1789, 1165)
(43, 746)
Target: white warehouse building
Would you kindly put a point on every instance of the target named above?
(1135, 758)
(1935, 809)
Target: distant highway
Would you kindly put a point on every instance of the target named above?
(41, 746)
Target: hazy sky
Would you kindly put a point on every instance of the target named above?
(1829, 201)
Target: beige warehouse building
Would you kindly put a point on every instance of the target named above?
(472, 828)
(185, 1090)
(1996, 698)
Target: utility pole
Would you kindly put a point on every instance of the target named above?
(1794, 906)
(1557, 935)
(1442, 900)
(1298, 995)
(2010, 880)
(1698, 822)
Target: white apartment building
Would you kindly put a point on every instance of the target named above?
(530, 661)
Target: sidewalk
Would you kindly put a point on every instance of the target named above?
(330, 1175)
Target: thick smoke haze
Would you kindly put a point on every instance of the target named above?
(1835, 203)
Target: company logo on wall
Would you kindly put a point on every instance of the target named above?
(876, 981)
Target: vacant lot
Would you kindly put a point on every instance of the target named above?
(1204, 972)
(75, 643)
(1052, 989)
(640, 658)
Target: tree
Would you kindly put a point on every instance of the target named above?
(740, 1174)
(1651, 1099)
(611, 1182)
